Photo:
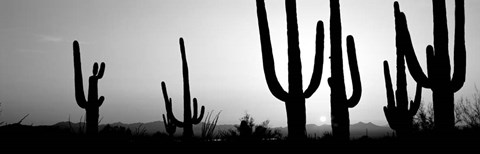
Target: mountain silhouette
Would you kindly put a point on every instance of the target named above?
(356, 130)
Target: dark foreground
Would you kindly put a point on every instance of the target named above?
(23, 138)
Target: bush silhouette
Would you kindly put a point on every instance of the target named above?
(295, 98)
(338, 98)
(467, 111)
(248, 131)
(439, 80)
(209, 124)
(245, 129)
(94, 102)
(188, 119)
(423, 120)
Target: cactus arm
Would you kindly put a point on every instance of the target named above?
(267, 55)
(202, 112)
(431, 61)
(405, 43)
(168, 106)
(164, 120)
(390, 115)
(195, 119)
(169, 127)
(459, 59)
(388, 86)
(195, 110)
(77, 64)
(100, 101)
(330, 82)
(95, 69)
(355, 75)
(318, 65)
(98, 75)
(415, 105)
(390, 108)
(101, 71)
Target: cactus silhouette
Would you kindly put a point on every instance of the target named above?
(94, 102)
(188, 119)
(399, 117)
(338, 101)
(295, 98)
(169, 126)
(443, 86)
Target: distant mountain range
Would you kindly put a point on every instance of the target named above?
(356, 130)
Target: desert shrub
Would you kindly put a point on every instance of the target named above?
(249, 131)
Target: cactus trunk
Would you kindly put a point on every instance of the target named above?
(338, 98)
(169, 126)
(296, 118)
(187, 126)
(443, 108)
(340, 119)
(92, 114)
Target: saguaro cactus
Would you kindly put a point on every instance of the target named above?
(188, 119)
(338, 101)
(295, 98)
(443, 86)
(399, 117)
(94, 102)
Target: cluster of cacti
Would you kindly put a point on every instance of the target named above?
(338, 101)
(295, 98)
(188, 119)
(399, 117)
(398, 112)
(93, 103)
(439, 80)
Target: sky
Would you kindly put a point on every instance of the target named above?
(138, 41)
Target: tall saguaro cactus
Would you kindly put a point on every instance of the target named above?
(338, 101)
(188, 119)
(443, 86)
(94, 102)
(295, 98)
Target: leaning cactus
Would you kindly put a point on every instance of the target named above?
(94, 103)
(399, 117)
(338, 101)
(443, 86)
(295, 98)
(188, 119)
(169, 126)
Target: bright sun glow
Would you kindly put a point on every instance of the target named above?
(323, 118)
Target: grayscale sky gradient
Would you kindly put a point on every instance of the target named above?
(138, 41)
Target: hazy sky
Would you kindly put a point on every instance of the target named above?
(138, 41)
